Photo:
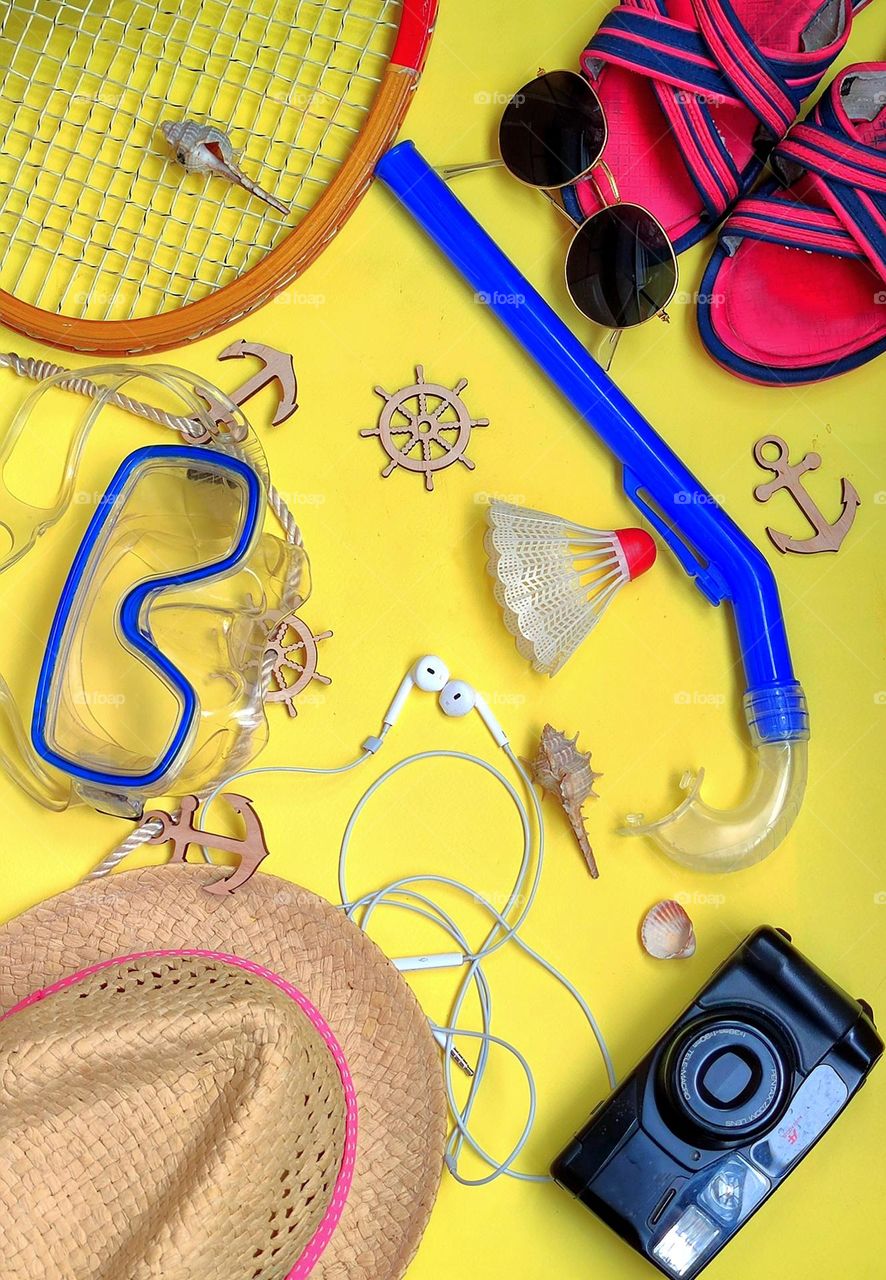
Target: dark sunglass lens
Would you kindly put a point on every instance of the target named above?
(621, 269)
(553, 130)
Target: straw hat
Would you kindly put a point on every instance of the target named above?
(262, 1101)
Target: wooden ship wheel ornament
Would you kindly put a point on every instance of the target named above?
(295, 649)
(425, 427)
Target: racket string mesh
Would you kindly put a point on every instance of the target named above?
(97, 220)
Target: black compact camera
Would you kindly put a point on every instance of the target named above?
(723, 1107)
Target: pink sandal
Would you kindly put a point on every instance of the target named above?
(696, 92)
(796, 289)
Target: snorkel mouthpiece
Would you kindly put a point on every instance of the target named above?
(707, 839)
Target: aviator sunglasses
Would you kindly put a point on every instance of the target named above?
(621, 269)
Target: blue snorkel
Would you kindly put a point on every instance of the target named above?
(711, 548)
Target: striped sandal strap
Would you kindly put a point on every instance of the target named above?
(696, 67)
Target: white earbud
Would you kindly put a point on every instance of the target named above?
(458, 699)
(429, 674)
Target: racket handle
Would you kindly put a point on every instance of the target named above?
(712, 549)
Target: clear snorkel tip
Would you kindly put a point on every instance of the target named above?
(719, 840)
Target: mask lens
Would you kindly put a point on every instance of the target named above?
(156, 591)
(620, 268)
(552, 131)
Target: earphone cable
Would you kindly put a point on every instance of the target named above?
(399, 894)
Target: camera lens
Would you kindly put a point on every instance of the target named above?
(727, 1076)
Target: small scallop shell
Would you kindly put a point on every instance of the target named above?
(667, 932)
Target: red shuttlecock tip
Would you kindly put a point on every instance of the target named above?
(639, 550)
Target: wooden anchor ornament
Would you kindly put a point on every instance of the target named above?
(295, 662)
(180, 830)
(828, 536)
(425, 427)
(277, 367)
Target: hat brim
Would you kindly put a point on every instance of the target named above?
(392, 1057)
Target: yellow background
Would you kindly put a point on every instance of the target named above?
(399, 572)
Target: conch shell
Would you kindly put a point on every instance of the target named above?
(667, 932)
(564, 771)
(202, 148)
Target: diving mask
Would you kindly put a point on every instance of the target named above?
(155, 664)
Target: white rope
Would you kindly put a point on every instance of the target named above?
(288, 524)
(41, 370)
(141, 835)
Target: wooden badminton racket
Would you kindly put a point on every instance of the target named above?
(106, 243)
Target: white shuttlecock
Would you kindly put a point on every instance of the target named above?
(554, 579)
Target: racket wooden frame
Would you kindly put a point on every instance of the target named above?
(282, 264)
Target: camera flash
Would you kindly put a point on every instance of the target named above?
(686, 1242)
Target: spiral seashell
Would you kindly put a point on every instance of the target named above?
(565, 772)
(202, 148)
(667, 932)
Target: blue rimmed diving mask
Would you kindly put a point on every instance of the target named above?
(152, 676)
